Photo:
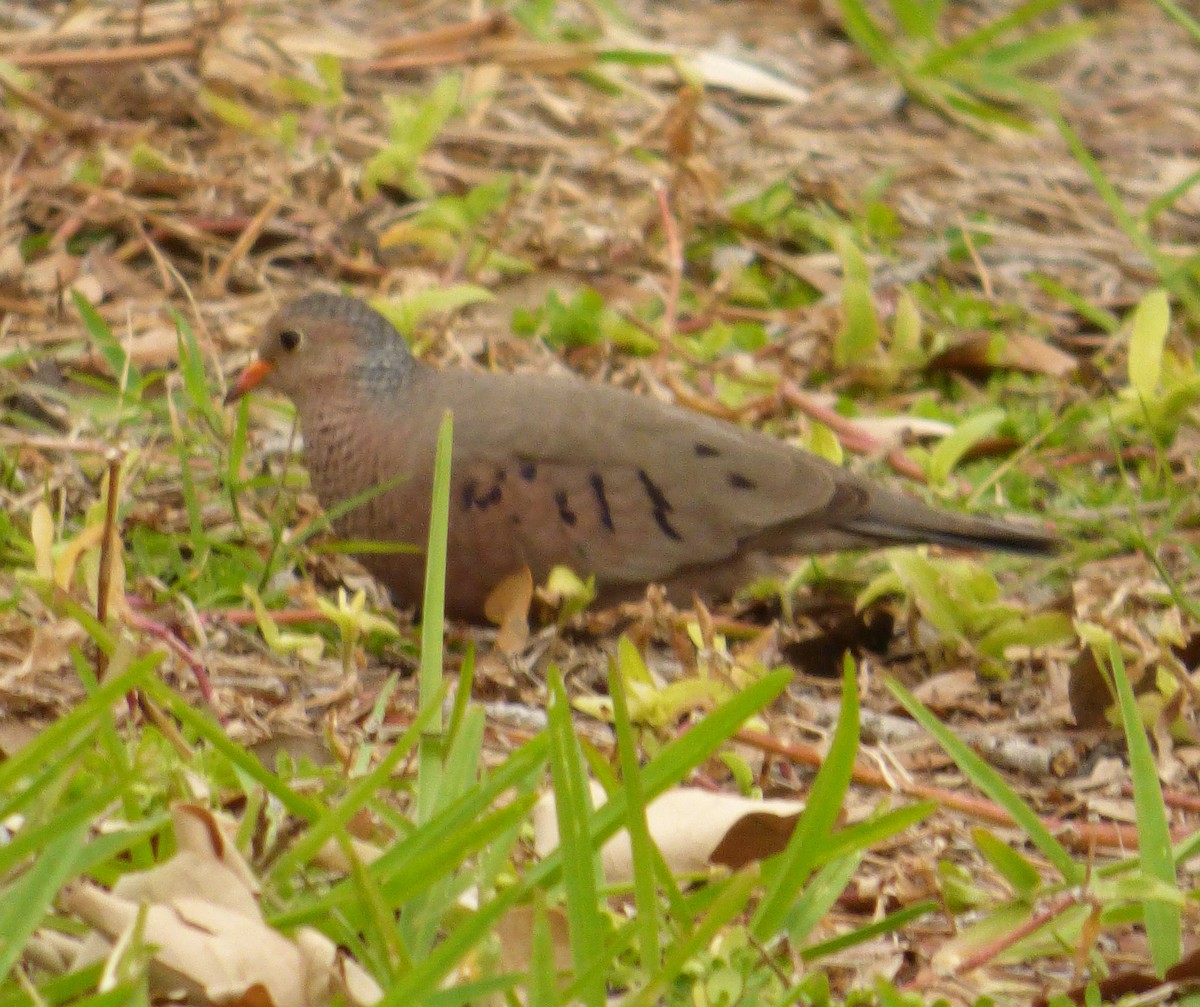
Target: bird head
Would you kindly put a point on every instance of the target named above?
(317, 343)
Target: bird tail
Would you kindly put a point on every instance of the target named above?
(897, 520)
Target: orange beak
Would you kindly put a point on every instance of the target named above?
(253, 376)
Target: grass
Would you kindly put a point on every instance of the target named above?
(169, 594)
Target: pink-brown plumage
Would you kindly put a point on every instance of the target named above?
(550, 471)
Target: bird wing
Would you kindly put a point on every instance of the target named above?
(617, 484)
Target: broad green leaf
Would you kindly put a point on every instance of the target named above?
(859, 338)
(1014, 868)
(1147, 337)
(950, 450)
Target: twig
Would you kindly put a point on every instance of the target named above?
(1107, 834)
(985, 280)
(180, 48)
(220, 279)
(39, 443)
(68, 122)
(107, 548)
(674, 261)
(849, 434)
(446, 36)
(993, 948)
(1056, 907)
(154, 628)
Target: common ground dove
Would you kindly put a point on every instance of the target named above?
(549, 471)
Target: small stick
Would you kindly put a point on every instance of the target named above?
(38, 443)
(440, 38)
(985, 281)
(68, 122)
(415, 61)
(143, 53)
(152, 627)
(1053, 909)
(1109, 834)
(220, 279)
(674, 260)
(852, 437)
(107, 548)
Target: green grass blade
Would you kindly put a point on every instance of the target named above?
(1187, 21)
(126, 375)
(731, 900)
(404, 863)
(820, 895)
(580, 863)
(990, 782)
(641, 846)
(432, 744)
(875, 830)
(1184, 288)
(541, 986)
(26, 902)
(1163, 922)
(359, 795)
(674, 762)
(243, 761)
(195, 382)
(862, 28)
(788, 873)
(58, 743)
(889, 924)
(979, 40)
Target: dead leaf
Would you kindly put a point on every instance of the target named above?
(150, 350)
(984, 352)
(1088, 691)
(508, 607)
(897, 431)
(949, 690)
(515, 931)
(200, 912)
(15, 735)
(694, 830)
(200, 947)
(718, 69)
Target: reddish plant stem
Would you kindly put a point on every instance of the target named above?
(180, 48)
(1083, 834)
(674, 261)
(848, 433)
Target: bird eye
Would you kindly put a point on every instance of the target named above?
(289, 339)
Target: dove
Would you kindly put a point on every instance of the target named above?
(549, 471)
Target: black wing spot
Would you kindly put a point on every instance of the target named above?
(468, 494)
(705, 450)
(741, 482)
(661, 505)
(564, 509)
(527, 470)
(489, 499)
(597, 482)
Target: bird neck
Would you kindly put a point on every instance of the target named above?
(382, 380)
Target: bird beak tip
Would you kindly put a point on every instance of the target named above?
(253, 376)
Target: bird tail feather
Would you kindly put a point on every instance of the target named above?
(897, 521)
